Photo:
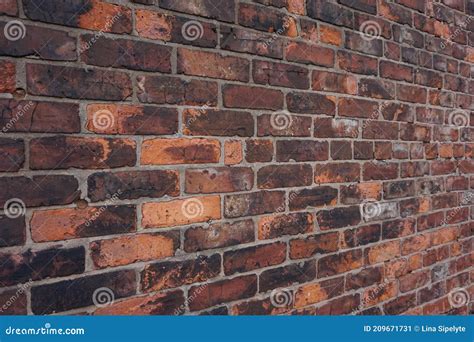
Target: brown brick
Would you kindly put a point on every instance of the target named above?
(13, 232)
(219, 235)
(217, 123)
(315, 244)
(280, 75)
(309, 54)
(97, 15)
(330, 12)
(266, 19)
(216, 66)
(383, 252)
(318, 292)
(180, 151)
(385, 130)
(238, 96)
(131, 119)
(254, 203)
(274, 226)
(222, 291)
(379, 171)
(338, 217)
(169, 303)
(378, 89)
(33, 116)
(334, 82)
(129, 249)
(122, 53)
(361, 236)
(312, 197)
(18, 306)
(358, 108)
(281, 176)
(172, 90)
(335, 128)
(181, 212)
(337, 173)
(79, 292)
(41, 264)
(62, 152)
(364, 278)
(77, 83)
(398, 228)
(415, 244)
(259, 151)
(287, 275)
(170, 274)
(54, 190)
(73, 223)
(356, 63)
(341, 150)
(411, 93)
(310, 103)
(12, 154)
(356, 193)
(357, 42)
(9, 7)
(206, 8)
(396, 71)
(222, 179)
(339, 263)
(233, 153)
(251, 258)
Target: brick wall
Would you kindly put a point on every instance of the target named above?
(236, 157)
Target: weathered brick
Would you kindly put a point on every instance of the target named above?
(41, 264)
(74, 223)
(13, 231)
(170, 274)
(361, 236)
(309, 54)
(337, 173)
(181, 212)
(356, 63)
(254, 203)
(251, 258)
(287, 275)
(338, 217)
(172, 90)
(222, 179)
(217, 123)
(281, 176)
(238, 96)
(270, 227)
(79, 292)
(205, 8)
(92, 15)
(77, 83)
(216, 66)
(310, 103)
(180, 151)
(318, 292)
(266, 19)
(222, 291)
(280, 75)
(129, 249)
(62, 152)
(219, 235)
(335, 128)
(358, 108)
(339, 263)
(334, 82)
(330, 12)
(315, 244)
(312, 197)
(283, 124)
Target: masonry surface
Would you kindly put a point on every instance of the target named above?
(236, 157)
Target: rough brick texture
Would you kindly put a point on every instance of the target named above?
(177, 157)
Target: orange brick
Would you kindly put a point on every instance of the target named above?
(129, 249)
(330, 35)
(181, 212)
(180, 151)
(233, 154)
(382, 252)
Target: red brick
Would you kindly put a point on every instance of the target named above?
(315, 244)
(356, 63)
(287, 275)
(337, 173)
(219, 235)
(254, 203)
(281, 176)
(334, 82)
(222, 179)
(280, 75)
(251, 258)
(270, 227)
(217, 123)
(62, 152)
(77, 83)
(129, 249)
(339, 263)
(338, 217)
(206, 8)
(358, 108)
(237, 96)
(7, 77)
(216, 66)
(266, 19)
(309, 54)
